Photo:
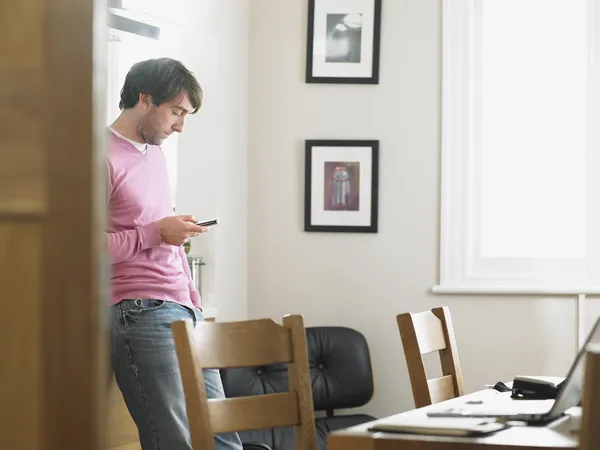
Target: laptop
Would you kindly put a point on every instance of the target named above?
(533, 412)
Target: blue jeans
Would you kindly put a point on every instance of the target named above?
(147, 373)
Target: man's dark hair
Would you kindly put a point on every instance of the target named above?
(163, 79)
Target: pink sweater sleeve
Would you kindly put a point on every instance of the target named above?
(194, 294)
(124, 245)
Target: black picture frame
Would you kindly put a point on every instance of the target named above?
(341, 185)
(360, 66)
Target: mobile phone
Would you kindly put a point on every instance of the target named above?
(208, 223)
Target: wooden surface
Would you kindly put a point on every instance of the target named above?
(555, 437)
(22, 208)
(449, 356)
(254, 413)
(52, 342)
(423, 333)
(20, 352)
(255, 343)
(74, 326)
(265, 342)
(441, 388)
(301, 383)
(22, 103)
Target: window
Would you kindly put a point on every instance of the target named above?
(139, 31)
(520, 197)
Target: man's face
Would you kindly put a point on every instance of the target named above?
(159, 122)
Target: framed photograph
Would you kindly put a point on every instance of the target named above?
(343, 41)
(341, 182)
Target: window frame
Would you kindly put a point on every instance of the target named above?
(461, 269)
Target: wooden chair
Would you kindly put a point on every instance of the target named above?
(427, 332)
(589, 434)
(221, 345)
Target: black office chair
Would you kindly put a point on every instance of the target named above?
(342, 378)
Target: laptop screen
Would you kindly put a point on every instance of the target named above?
(570, 391)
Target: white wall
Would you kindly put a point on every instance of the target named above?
(212, 155)
(363, 281)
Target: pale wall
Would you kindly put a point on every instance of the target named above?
(212, 155)
(363, 281)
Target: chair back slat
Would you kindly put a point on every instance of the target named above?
(441, 388)
(429, 332)
(241, 344)
(254, 413)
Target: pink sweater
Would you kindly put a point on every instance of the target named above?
(142, 266)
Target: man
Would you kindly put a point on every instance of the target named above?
(151, 284)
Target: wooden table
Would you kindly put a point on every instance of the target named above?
(556, 436)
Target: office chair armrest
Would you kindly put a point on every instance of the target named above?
(255, 446)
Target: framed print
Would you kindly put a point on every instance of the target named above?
(343, 41)
(341, 182)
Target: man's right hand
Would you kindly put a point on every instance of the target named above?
(175, 230)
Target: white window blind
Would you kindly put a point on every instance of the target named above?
(520, 196)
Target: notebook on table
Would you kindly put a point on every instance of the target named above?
(438, 426)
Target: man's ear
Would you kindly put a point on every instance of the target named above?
(145, 101)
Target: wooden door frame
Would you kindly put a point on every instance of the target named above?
(74, 339)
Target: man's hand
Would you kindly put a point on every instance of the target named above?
(175, 230)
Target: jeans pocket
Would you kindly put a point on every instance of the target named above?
(194, 313)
